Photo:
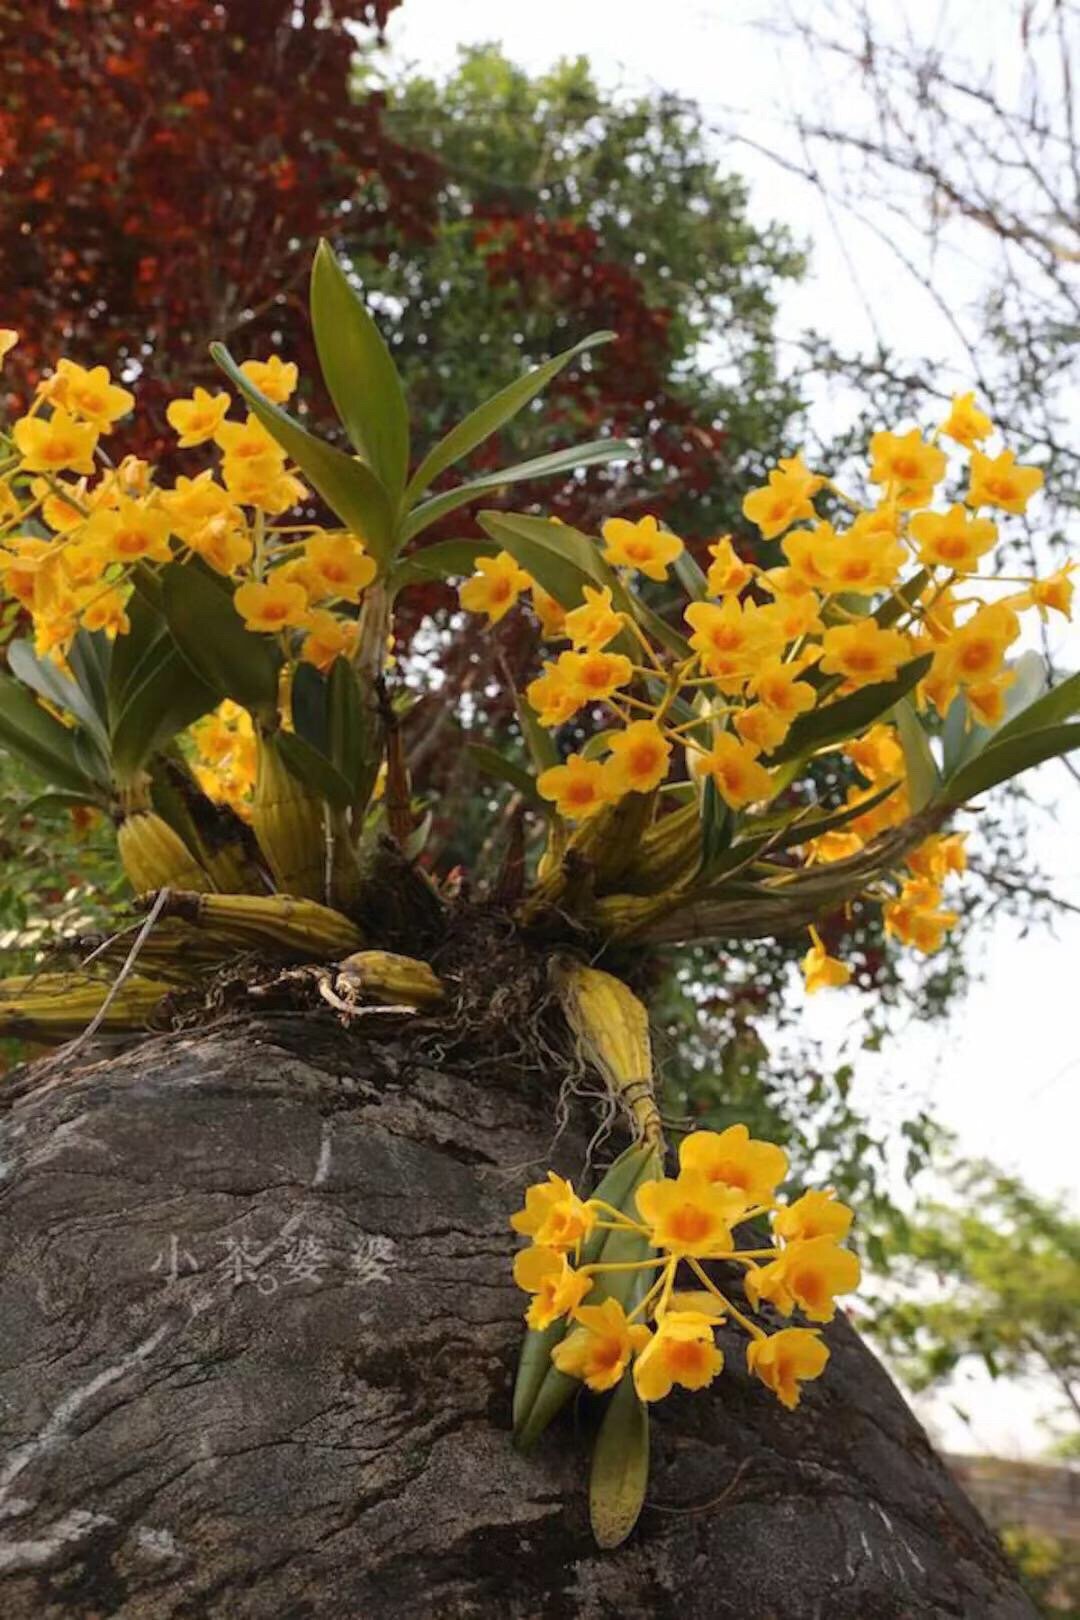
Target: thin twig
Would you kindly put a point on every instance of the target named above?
(160, 902)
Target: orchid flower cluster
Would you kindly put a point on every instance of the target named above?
(851, 605)
(667, 1338)
(294, 578)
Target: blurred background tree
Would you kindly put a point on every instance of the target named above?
(1006, 1263)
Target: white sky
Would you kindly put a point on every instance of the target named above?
(1004, 1071)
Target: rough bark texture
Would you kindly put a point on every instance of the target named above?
(193, 1428)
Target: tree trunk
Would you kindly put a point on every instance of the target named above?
(257, 1340)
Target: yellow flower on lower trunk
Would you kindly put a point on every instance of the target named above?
(785, 1358)
(681, 1351)
(599, 1349)
(690, 1215)
(554, 1216)
(736, 1159)
(557, 1287)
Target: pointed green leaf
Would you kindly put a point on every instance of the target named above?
(308, 706)
(492, 763)
(349, 724)
(360, 374)
(314, 770)
(564, 561)
(153, 691)
(923, 776)
(1059, 703)
(809, 827)
(540, 1390)
(443, 559)
(596, 453)
(48, 681)
(962, 739)
(690, 577)
(717, 828)
(488, 418)
(1005, 759)
(348, 487)
(899, 603)
(848, 716)
(619, 1475)
(163, 702)
(39, 740)
(236, 662)
(538, 740)
(90, 657)
(57, 800)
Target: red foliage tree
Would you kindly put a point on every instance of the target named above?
(166, 166)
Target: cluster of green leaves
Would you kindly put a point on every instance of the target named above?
(525, 155)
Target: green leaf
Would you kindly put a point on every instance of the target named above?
(1006, 758)
(538, 740)
(963, 741)
(540, 1390)
(153, 691)
(349, 738)
(47, 680)
(1059, 703)
(564, 561)
(58, 800)
(896, 605)
(314, 770)
(444, 559)
(717, 828)
(348, 487)
(236, 662)
(90, 657)
(488, 418)
(492, 763)
(619, 1475)
(163, 703)
(360, 374)
(848, 716)
(801, 832)
(923, 776)
(40, 741)
(596, 453)
(690, 577)
(308, 707)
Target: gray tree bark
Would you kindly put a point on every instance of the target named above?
(257, 1339)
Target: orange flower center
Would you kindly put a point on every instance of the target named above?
(862, 659)
(580, 792)
(810, 1286)
(689, 1224)
(906, 467)
(644, 758)
(977, 655)
(130, 542)
(607, 1354)
(686, 1355)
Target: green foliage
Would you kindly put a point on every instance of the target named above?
(560, 202)
(55, 878)
(1007, 1261)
